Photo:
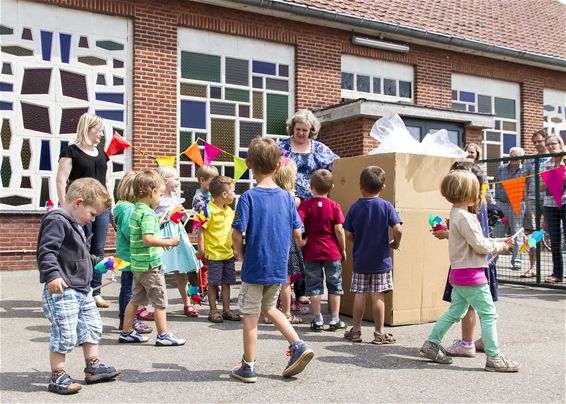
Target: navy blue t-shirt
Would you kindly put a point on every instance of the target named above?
(369, 220)
(268, 216)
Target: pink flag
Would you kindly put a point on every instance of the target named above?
(210, 153)
(554, 180)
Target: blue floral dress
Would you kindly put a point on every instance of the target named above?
(319, 157)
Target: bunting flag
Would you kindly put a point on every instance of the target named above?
(193, 153)
(117, 144)
(210, 153)
(167, 161)
(554, 180)
(514, 189)
(484, 190)
(240, 167)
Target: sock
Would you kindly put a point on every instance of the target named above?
(250, 364)
(335, 319)
(468, 344)
(318, 318)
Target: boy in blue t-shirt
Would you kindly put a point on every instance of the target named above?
(367, 227)
(268, 216)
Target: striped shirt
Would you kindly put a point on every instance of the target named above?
(143, 221)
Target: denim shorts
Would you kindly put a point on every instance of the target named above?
(221, 272)
(74, 319)
(314, 277)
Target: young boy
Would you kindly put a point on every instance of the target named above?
(326, 246)
(65, 266)
(215, 244)
(367, 227)
(145, 249)
(268, 215)
(202, 197)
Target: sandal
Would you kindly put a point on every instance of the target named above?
(294, 319)
(215, 317)
(142, 328)
(299, 308)
(354, 336)
(531, 273)
(190, 311)
(385, 338)
(553, 279)
(336, 326)
(144, 314)
(231, 315)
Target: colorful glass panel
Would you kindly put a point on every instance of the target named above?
(193, 114)
(45, 156)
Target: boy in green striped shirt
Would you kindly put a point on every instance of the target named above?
(146, 249)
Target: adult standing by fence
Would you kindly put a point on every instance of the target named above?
(84, 159)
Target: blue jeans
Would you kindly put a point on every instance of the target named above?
(98, 229)
(553, 217)
(125, 292)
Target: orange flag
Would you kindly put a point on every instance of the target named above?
(514, 189)
(193, 153)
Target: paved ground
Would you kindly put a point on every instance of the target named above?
(531, 330)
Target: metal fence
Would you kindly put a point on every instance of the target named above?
(528, 192)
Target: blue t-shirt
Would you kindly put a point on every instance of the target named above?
(369, 220)
(268, 216)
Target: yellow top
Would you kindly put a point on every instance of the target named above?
(218, 234)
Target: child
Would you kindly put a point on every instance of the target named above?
(145, 247)
(468, 249)
(326, 246)
(202, 197)
(215, 243)
(122, 212)
(367, 227)
(181, 260)
(268, 215)
(65, 266)
(285, 179)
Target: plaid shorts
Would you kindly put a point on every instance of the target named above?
(74, 319)
(371, 283)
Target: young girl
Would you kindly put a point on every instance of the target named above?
(468, 249)
(285, 179)
(466, 346)
(122, 212)
(182, 259)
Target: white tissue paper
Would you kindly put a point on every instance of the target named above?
(393, 136)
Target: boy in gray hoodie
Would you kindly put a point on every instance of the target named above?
(66, 266)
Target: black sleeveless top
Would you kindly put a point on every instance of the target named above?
(85, 165)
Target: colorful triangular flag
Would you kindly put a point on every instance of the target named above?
(210, 153)
(514, 189)
(167, 161)
(240, 167)
(193, 153)
(554, 180)
(117, 144)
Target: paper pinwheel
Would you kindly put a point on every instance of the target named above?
(535, 238)
(435, 223)
(194, 295)
(176, 215)
(110, 264)
(201, 218)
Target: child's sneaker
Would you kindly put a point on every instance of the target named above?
(96, 372)
(142, 328)
(132, 337)
(459, 349)
(143, 314)
(244, 373)
(339, 326)
(500, 363)
(300, 355)
(435, 352)
(479, 345)
(318, 327)
(168, 339)
(62, 383)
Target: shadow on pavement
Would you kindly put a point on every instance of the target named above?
(21, 308)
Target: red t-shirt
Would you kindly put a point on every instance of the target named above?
(319, 216)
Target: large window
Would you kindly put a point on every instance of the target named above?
(57, 64)
(231, 89)
(555, 112)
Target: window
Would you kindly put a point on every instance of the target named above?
(419, 128)
(555, 112)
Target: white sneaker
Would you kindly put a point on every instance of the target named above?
(459, 349)
(168, 339)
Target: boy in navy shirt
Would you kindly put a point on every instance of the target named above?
(367, 227)
(268, 216)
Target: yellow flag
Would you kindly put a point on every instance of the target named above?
(239, 167)
(167, 161)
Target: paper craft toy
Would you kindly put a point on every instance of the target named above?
(535, 238)
(193, 292)
(201, 218)
(435, 223)
(110, 264)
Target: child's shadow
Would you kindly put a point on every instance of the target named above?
(25, 382)
(172, 373)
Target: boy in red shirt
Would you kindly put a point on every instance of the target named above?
(325, 248)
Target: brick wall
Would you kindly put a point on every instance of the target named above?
(317, 83)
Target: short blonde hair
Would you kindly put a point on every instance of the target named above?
(559, 138)
(286, 176)
(91, 191)
(460, 186)
(125, 189)
(145, 182)
(307, 117)
(88, 121)
(167, 172)
(206, 172)
(220, 184)
(476, 148)
(263, 155)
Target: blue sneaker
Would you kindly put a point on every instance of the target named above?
(132, 337)
(244, 373)
(96, 372)
(168, 339)
(300, 355)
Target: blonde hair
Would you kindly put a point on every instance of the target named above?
(206, 172)
(88, 121)
(92, 192)
(167, 172)
(125, 189)
(460, 186)
(307, 117)
(559, 138)
(263, 155)
(285, 177)
(476, 148)
(145, 182)
(220, 184)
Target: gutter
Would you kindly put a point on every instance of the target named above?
(404, 31)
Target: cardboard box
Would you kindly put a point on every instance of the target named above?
(421, 265)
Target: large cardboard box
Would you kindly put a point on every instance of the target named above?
(420, 266)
